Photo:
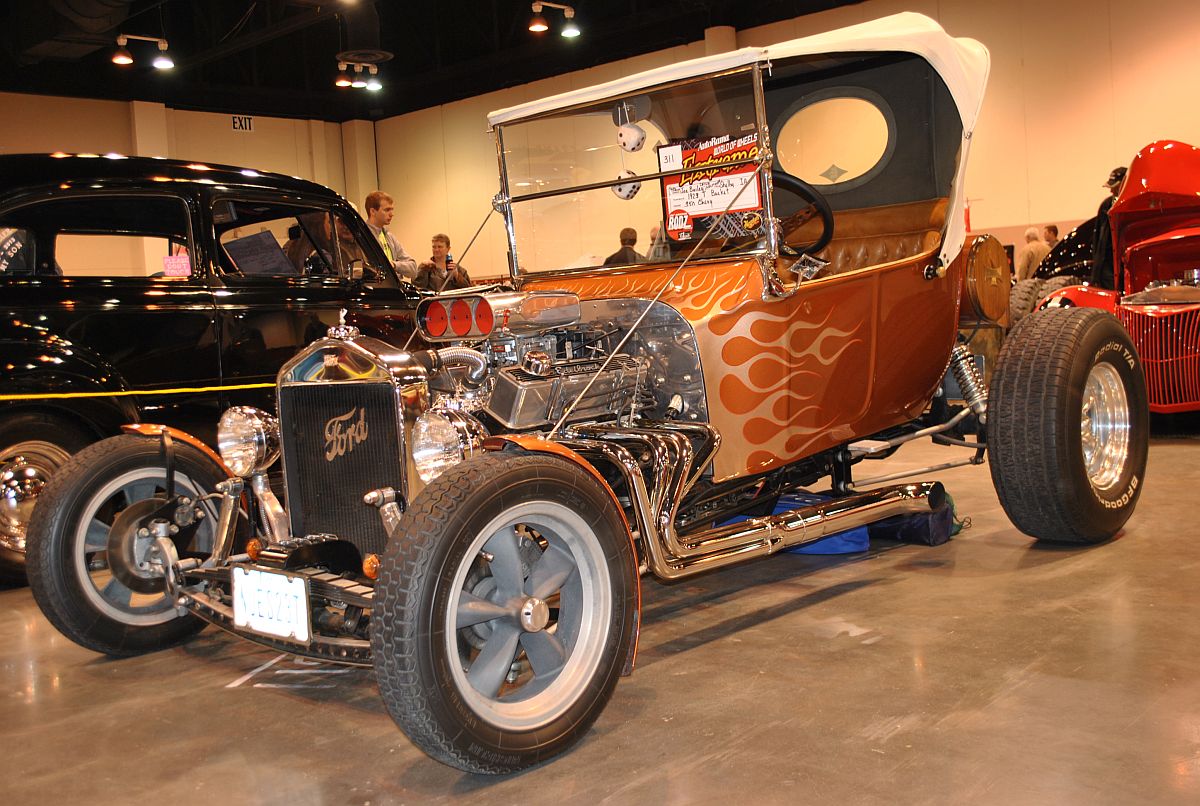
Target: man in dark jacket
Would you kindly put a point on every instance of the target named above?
(1102, 251)
(626, 255)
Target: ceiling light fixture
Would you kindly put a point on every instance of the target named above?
(122, 56)
(538, 24)
(570, 30)
(343, 77)
(359, 80)
(373, 82)
(163, 60)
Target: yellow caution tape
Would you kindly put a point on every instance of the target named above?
(132, 392)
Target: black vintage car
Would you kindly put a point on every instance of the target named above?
(158, 291)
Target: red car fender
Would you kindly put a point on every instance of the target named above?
(1083, 296)
(533, 444)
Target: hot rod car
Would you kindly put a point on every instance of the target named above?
(473, 519)
(1156, 255)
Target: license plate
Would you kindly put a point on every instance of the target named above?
(271, 603)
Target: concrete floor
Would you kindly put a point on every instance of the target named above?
(986, 671)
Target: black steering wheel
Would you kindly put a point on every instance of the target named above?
(817, 205)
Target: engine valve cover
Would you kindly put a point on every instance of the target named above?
(522, 400)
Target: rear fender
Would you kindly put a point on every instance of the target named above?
(533, 444)
(1081, 296)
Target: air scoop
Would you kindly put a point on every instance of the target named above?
(478, 316)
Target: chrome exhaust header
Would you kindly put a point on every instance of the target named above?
(670, 555)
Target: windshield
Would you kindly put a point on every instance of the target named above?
(586, 183)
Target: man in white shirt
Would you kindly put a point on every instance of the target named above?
(380, 209)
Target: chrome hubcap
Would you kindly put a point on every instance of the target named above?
(1104, 426)
(24, 470)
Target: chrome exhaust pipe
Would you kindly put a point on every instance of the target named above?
(674, 556)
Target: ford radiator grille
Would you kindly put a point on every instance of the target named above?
(339, 441)
(1169, 346)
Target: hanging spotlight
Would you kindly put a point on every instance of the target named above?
(343, 77)
(538, 23)
(163, 60)
(373, 83)
(359, 81)
(570, 30)
(122, 55)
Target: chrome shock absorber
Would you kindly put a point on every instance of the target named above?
(969, 380)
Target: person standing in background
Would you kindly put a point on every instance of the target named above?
(1102, 247)
(380, 209)
(626, 255)
(1050, 235)
(1030, 255)
(440, 272)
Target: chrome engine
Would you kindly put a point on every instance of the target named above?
(552, 357)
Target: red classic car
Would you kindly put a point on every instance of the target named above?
(1156, 243)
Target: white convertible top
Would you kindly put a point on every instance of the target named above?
(961, 62)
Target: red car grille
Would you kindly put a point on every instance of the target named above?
(1169, 345)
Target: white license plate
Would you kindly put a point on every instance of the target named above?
(271, 603)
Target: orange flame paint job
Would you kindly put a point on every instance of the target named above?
(845, 356)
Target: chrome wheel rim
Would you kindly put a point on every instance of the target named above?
(90, 542)
(1104, 427)
(530, 611)
(24, 470)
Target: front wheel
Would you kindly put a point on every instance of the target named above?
(1068, 426)
(88, 566)
(503, 616)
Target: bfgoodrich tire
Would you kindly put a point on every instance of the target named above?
(92, 501)
(1068, 426)
(503, 617)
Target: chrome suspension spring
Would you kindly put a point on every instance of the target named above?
(969, 380)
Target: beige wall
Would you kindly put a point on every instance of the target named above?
(304, 148)
(1077, 86)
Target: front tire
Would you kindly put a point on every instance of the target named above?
(503, 616)
(1068, 426)
(86, 509)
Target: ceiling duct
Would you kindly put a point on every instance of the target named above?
(63, 29)
(360, 24)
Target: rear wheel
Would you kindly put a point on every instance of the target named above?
(1022, 298)
(33, 446)
(1068, 426)
(88, 567)
(503, 619)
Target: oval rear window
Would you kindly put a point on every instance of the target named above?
(833, 141)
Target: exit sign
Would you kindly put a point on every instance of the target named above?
(243, 123)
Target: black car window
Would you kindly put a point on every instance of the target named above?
(269, 238)
(101, 235)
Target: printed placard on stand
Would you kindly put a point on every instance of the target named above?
(693, 200)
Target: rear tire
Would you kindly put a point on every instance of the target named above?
(1068, 426)
(503, 617)
(70, 569)
(33, 446)
(1022, 299)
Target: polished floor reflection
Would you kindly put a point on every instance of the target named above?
(986, 671)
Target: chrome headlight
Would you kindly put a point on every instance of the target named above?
(248, 440)
(441, 439)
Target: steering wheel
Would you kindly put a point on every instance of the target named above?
(817, 205)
